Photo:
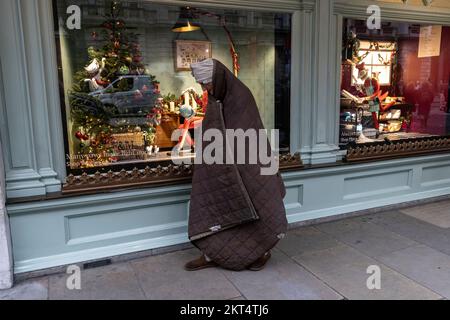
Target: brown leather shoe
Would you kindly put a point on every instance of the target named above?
(259, 264)
(199, 264)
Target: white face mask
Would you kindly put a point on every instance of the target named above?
(203, 71)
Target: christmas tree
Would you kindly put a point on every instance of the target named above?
(113, 62)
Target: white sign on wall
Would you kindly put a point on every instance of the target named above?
(430, 41)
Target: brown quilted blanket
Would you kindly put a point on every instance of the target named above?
(236, 214)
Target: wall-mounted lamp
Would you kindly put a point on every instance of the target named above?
(188, 22)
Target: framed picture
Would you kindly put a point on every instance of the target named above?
(190, 51)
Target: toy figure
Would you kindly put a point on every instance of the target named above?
(373, 92)
(192, 121)
(95, 70)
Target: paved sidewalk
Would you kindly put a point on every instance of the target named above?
(327, 261)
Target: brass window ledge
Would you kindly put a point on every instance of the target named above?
(392, 149)
(149, 176)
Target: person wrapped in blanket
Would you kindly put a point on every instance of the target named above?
(236, 213)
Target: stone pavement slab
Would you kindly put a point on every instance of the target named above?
(281, 279)
(414, 229)
(306, 239)
(368, 238)
(436, 213)
(114, 282)
(424, 265)
(163, 277)
(345, 270)
(36, 289)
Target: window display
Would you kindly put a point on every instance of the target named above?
(394, 83)
(125, 81)
(376, 57)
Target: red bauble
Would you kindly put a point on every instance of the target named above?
(137, 58)
(79, 135)
(85, 137)
(102, 82)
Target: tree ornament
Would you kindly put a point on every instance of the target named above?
(124, 70)
(79, 135)
(95, 69)
(107, 25)
(137, 58)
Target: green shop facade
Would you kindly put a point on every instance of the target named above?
(91, 91)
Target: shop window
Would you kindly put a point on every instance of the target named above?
(125, 75)
(394, 85)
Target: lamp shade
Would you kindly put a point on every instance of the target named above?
(186, 21)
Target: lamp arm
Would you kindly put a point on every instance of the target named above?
(234, 54)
